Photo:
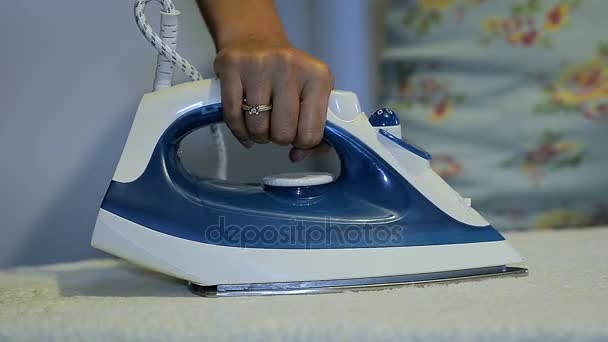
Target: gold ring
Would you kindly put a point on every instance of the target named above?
(256, 109)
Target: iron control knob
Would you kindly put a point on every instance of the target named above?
(384, 117)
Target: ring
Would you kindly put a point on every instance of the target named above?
(256, 109)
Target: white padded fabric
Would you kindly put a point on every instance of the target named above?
(565, 298)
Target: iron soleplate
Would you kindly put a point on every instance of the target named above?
(358, 284)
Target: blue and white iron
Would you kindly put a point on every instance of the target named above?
(386, 220)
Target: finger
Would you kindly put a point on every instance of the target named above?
(258, 92)
(313, 112)
(296, 154)
(232, 101)
(285, 109)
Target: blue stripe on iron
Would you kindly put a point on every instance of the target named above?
(406, 145)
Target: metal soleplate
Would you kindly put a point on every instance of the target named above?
(358, 284)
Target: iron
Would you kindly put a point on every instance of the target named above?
(386, 220)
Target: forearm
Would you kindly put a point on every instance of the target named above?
(232, 21)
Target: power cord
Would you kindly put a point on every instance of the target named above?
(168, 57)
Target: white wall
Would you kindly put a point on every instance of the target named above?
(70, 83)
(72, 73)
(342, 33)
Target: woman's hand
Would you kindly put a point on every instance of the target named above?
(273, 72)
(257, 64)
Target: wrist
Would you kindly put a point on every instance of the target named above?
(236, 22)
(267, 37)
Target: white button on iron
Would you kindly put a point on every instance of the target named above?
(298, 179)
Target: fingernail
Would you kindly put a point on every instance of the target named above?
(247, 143)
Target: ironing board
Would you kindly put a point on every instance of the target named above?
(565, 297)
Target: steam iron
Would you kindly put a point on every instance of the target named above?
(386, 220)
